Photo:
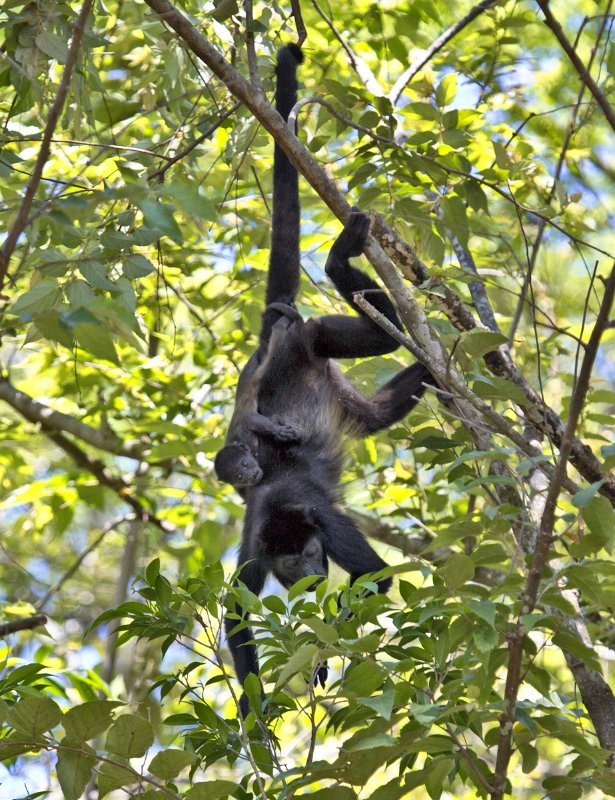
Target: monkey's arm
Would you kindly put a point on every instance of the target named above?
(240, 642)
(347, 546)
(275, 429)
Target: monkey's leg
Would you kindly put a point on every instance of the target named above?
(350, 337)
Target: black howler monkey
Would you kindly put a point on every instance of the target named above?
(293, 521)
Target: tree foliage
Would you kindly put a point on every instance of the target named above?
(135, 191)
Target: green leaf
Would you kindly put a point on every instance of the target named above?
(137, 266)
(485, 638)
(381, 703)
(115, 240)
(334, 793)
(458, 569)
(34, 716)
(130, 736)
(436, 772)
(571, 644)
(485, 610)
(599, 517)
(169, 763)
(96, 340)
(89, 720)
(379, 740)
(114, 776)
(52, 45)
(253, 689)
(302, 585)
(362, 679)
(40, 297)
(74, 768)
(492, 388)
(326, 633)
(79, 293)
(188, 196)
(224, 9)
(96, 275)
(211, 790)
(159, 216)
(425, 713)
(586, 495)
(478, 342)
(274, 603)
(610, 62)
(300, 660)
(447, 89)
(165, 450)
(424, 110)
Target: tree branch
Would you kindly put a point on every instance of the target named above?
(543, 543)
(498, 423)
(579, 66)
(477, 288)
(21, 220)
(27, 624)
(51, 420)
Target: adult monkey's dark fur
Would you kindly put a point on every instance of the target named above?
(293, 522)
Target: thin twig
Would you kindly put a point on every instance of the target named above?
(579, 66)
(439, 43)
(407, 153)
(81, 558)
(199, 140)
(556, 176)
(477, 288)
(255, 78)
(365, 74)
(21, 219)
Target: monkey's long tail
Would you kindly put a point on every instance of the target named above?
(285, 227)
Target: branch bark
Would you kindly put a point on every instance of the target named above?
(27, 624)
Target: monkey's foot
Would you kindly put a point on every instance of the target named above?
(351, 240)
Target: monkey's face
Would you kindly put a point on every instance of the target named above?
(235, 464)
(311, 560)
(248, 472)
